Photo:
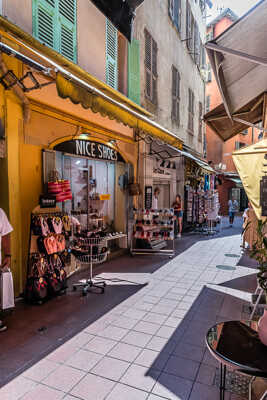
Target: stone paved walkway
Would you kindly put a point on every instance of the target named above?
(150, 346)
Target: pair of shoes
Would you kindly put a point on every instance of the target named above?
(3, 327)
(179, 235)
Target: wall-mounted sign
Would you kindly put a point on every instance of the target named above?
(87, 148)
(148, 197)
(47, 201)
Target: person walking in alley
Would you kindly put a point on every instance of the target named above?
(5, 230)
(233, 207)
(178, 212)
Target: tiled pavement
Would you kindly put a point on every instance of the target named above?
(150, 345)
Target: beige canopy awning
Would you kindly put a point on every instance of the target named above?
(251, 162)
(239, 59)
(252, 113)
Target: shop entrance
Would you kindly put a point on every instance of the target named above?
(90, 179)
(164, 196)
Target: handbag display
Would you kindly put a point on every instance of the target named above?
(7, 291)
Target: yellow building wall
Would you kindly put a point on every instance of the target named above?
(21, 170)
(31, 188)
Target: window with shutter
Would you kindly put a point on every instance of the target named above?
(200, 107)
(67, 19)
(191, 101)
(54, 24)
(151, 69)
(111, 55)
(171, 9)
(134, 71)
(175, 13)
(175, 115)
(196, 42)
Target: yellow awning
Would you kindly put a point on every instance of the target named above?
(99, 103)
(250, 164)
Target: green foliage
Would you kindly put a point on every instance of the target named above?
(259, 252)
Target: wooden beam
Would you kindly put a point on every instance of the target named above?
(242, 121)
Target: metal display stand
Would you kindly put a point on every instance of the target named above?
(156, 230)
(90, 255)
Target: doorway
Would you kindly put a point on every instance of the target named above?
(164, 196)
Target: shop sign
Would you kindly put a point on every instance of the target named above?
(148, 197)
(47, 201)
(87, 148)
(263, 196)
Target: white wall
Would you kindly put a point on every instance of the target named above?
(154, 16)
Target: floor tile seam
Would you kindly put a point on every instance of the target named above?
(58, 365)
(86, 371)
(48, 386)
(19, 371)
(158, 381)
(110, 338)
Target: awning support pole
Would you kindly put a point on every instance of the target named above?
(240, 54)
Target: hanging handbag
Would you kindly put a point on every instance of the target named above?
(7, 290)
(36, 285)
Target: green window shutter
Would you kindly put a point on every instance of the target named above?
(54, 24)
(111, 55)
(67, 26)
(44, 21)
(134, 71)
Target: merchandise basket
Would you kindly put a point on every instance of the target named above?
(94, 251)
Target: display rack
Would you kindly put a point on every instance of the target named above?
(153, 232)
(91, 251)
(47, 270)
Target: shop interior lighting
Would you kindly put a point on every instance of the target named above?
(113, 142)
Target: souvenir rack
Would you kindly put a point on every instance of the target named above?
(47, 268)
(153, 232)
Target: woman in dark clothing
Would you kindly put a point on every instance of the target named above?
(178, 212)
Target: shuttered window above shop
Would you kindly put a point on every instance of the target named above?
(134, 71)
(175, 13)
(191, 106)
(54, 24)
(175, 115)
(200, 116)
(111, 55)
(151, 68)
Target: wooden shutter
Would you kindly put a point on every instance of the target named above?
(148, 63)
(188, 24)
(151, 67)
(196, 43)
(176, 14)
(134, 71)
(67, 26)
(154, 71)
(44, 21)
(175, 95)
(111, 55)
(200, 121)
(171, 8)
(54, 24)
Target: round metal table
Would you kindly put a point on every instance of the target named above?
(236, 344)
